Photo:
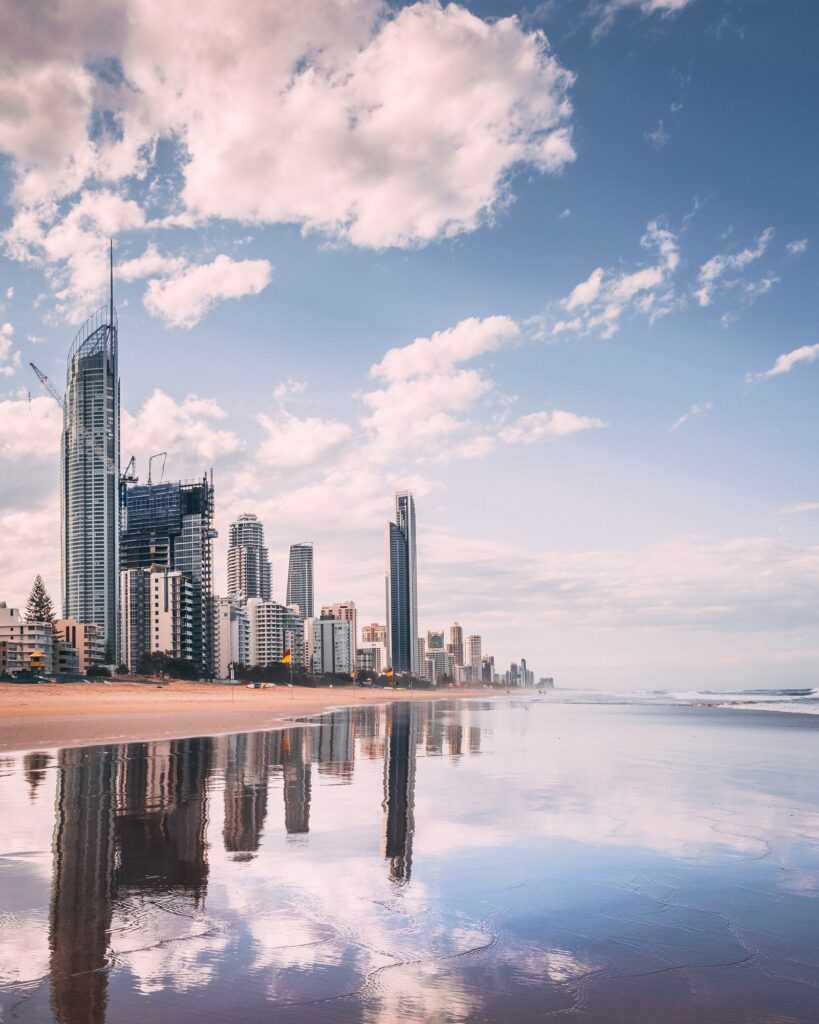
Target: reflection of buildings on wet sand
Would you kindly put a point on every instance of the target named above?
(403, 733)
(334, 744)
(248, 762)
(82, 886)
(296, 771)
(34, 769)
(128, 818)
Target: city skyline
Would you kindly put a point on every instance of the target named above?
(605, 399)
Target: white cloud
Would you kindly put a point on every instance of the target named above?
(601, 301)
(183, 298)
(444, 350)
(402, 125)
(29, 430)
(786, 362)
(294, 443)
(9, 358)
(187, 430)
(151, 263)
(797, 247)
(565, 214)
(659, 137)
(713, 270)
(10, 292)
(697, 409)
(799, 507)
(548, 426)
(289, 388)
(607, 10)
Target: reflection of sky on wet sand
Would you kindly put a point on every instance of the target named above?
(437, 862)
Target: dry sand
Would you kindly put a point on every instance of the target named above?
(70, 715)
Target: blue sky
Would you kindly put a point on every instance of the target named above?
(584, 232)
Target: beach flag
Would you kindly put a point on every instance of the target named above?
(390, 672)
(287, 657)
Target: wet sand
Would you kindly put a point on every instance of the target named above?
(70, 715)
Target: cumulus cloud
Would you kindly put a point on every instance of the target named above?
(370, 124)
(444, 350)
(697, 409)
(548, 426)
(9, 358)
(786, 362)
(712, 272)
(150, 264)
(183, 298)
(293, 443)
(598, 304)
(187, 430)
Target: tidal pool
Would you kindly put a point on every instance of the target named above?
(499, 860)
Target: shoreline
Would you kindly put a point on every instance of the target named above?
(49, 715)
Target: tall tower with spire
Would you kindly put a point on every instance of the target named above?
(89, 483)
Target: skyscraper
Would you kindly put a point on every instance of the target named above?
(401, 577)
(300, 578)
(90, 476)
(473, 657)
(248, 563)
(171, 525)
(455, 647)
(344, 610)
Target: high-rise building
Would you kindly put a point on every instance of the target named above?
(371, 657)
(171, 525)
(456, 643)
(401, 578)
(488, 668)
(90, 477)
(332, 645)
(248, 562)
(86, 638)
(273, 629)
(435, 641)
(300, 578)
(344, 610)
(473, 658)
(233, 629)
(374, 633)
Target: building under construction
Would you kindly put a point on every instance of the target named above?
(169, 526)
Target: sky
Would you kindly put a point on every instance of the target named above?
(552, 267)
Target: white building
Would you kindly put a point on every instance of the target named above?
(437, 664)
(27, 638)
(332, 645)
(372, 657)
(272, 630)
(86, 638)
(300, 578)
(343, 610)
(156, 614)
(472, 658)
(248, 562)
(233, 632)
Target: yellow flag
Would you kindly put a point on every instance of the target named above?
(287, 658)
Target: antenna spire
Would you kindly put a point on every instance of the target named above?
(111, 284)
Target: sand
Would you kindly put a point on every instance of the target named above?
(62, 715)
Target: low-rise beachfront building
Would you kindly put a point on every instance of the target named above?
(274, 628)
(68, 659)
(332, 645)
(372, 657)
(156, 614)
(87, 638)
(32, 639)
(10, 657)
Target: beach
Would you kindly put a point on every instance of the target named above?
(503, 860)
(70, 715)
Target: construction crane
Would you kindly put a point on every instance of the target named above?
(128, 477)
(159, 455)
